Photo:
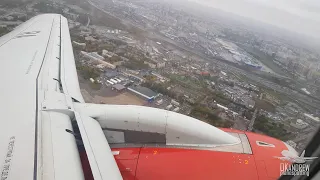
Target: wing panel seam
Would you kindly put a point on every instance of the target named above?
(35, 170)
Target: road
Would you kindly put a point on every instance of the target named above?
(250, 127)
(88, 23)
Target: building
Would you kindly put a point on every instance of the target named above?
(159, 102)
(113, 80)
(156, 63)
(134, 77)
(169, 107)
(311, 117)
(9, 18)
(118, 63)
(250, 103)
(144, 92)
(161, 64)
(90, 38)
(176, 109)
(111, 73)
(174, 102)
(299, 124)
(305, 91)
(94, 56)
(151, 65)
(118, 87)
(222, 107)
(223, 73)
(108, 54)
(161, 78)
(110, 82)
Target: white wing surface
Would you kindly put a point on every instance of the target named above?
(36, 103)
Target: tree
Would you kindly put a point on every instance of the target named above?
(159, 88)
(174, 65)
(265, 105)
(4, 30)
(135, 64)
(207, 115)
(248, 114)
(108, 47)
(271, 128)
(95, 86)
(150, 78)
(88, 72)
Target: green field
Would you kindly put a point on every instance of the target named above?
(187, 82)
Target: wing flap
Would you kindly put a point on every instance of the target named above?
(102, 162)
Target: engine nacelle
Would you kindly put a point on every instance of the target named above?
(146, 125)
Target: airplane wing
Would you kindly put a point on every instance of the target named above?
(306, 158)
(39, 86)
(302, 154)
(23, 54)
(309, 158)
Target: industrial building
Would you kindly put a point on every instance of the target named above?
(118, 87)
(176, 109)
(151, 65)
(174, 102)
(108, 54)
(159, 102)
(111, 73)
(144, 92)
(94, 56)
(169, 107)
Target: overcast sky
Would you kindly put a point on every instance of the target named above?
(301, 16)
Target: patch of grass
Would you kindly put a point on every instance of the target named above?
(3, 31)
(265, 105)
(95, 86)
(186, 81)
(88, 72)
(135, 65)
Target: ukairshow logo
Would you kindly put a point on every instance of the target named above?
(297, 164)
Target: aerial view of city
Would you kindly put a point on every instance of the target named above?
(226, 70)
(160, 54)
